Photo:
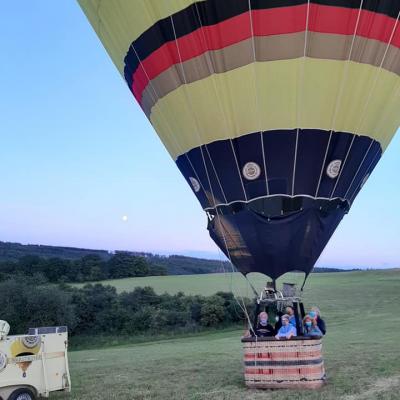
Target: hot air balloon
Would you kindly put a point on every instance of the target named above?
(275, 111)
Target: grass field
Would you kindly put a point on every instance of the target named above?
(208, 284)
(362, 350)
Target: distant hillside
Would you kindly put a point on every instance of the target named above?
(14, 251)
(174, 264)
(181, 265)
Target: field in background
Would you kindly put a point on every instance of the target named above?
(362, 351)
(208, 284)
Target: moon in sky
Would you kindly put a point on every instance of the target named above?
(125, 218)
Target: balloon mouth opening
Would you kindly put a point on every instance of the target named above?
(277, 234)
(278, 207)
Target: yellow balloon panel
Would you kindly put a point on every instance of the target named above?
(300, 93)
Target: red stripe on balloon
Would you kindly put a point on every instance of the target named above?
(276, 21)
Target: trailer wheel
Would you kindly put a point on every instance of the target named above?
(22, 394)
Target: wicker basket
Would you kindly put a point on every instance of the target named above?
(272, 364)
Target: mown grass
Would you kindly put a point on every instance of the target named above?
(362, 352)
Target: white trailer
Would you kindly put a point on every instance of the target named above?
(34, 365)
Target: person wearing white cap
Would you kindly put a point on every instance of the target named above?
(287, 330)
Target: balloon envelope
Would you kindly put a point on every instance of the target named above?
(275, 112)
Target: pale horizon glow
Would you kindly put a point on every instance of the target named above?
(78, 156)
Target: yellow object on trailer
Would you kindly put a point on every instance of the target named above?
(33, 365)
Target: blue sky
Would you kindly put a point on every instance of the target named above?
(77, 154)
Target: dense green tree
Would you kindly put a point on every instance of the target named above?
(55, 269)
(30, 264)
(123, 265)
(140, 321)
(157, 270)
(232, 311)
(100, 310)
(138, 298)
(89, 268)
(8, 267)
(195, 305)
(97, 309)
(24, 305)
(93, 268)
(212, 311)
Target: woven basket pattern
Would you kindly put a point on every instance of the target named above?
(283, 364)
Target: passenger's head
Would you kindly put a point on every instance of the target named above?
(308, 320)
(314, 313)
(289, 310)
(263, 318)
(285, 319)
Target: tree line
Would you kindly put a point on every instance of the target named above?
(174, 264)
(87, 268)
(96, 309)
